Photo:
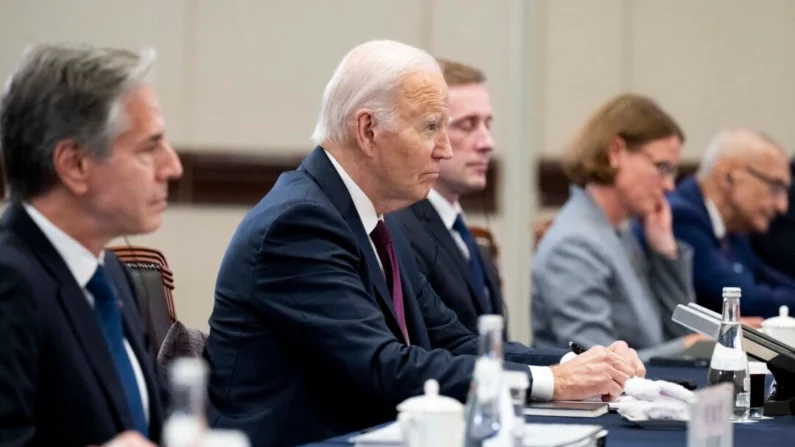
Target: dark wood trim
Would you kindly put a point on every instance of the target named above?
(223, 178)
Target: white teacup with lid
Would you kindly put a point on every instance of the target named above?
(782, 327)
(431, 420)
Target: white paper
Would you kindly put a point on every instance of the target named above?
(710, 417)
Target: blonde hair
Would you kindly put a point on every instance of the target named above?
(634, 118)
(457, 73)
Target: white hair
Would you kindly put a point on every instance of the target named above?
(729, 143)
(369, 76)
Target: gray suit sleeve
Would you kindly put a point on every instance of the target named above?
(574, 285)
(671, 284)
(667, 349)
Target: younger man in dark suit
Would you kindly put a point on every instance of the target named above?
(465, 279)
(85, 161)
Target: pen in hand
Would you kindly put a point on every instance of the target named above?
(575, 348)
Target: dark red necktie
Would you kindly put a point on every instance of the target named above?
(386, 252)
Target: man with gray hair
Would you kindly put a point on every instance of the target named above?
(740, 186)
(322, 323)
(85, 161)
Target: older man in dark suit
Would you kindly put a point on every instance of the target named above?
(776, 247)
(465, 279)
(85, 161)
(741, 185)
(322, 322)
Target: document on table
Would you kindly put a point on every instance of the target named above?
(536, 435)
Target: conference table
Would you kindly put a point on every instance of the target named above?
(775, 431)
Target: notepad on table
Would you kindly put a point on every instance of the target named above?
(566, 409)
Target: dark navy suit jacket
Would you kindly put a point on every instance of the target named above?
(764, 289)
(304, 343)
(58, 384)
(443, 263)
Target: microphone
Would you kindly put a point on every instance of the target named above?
(779, 357)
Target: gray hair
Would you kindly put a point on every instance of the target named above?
(731, 143)
(62, 92)
(369, 76)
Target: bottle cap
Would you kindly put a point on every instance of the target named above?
(490, 323)
(732, 292)
(188, 370)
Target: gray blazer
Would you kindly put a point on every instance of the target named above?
(593, 285)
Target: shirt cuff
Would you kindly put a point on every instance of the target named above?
(543, 383)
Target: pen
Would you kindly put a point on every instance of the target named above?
(575, 348)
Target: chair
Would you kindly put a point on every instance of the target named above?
(484, 238)
(154, 283)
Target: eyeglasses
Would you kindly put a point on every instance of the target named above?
(777, 187)
(664, 168)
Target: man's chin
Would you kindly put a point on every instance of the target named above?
(150, 224)
(473, 187)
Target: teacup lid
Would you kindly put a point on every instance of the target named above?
(783, 320)
(431, 401)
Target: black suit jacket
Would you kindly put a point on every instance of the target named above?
(304, 344)
(58, 385)
(441, 261)
(777, 247)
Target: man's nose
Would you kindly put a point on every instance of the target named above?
(171, 167)
(485, 141)
(443, 149)
(782, 203)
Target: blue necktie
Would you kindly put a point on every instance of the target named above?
(106, 307)
(476, 270)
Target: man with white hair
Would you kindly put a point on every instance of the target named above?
(740, 186)
(776, 247)
(322, 323)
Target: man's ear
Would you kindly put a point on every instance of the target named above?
(72, 166)
(364, 123)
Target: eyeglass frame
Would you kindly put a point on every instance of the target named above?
(663, 168)
(777, 187)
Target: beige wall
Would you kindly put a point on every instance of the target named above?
(247, 75)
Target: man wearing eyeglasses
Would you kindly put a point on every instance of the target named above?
(776, 247)
(741, 185)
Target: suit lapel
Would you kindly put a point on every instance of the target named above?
(320, 168)
(78, 312)
(492, 281)
(415, 322)
(427, 213)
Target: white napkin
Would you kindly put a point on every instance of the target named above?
(646, 399)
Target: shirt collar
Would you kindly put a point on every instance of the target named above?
(364, 206)
(78, 259)
(448, 212)
(718, 227)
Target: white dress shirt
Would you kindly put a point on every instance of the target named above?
(718, 227)
(543, 380)
(83, 264)
(449, 212)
